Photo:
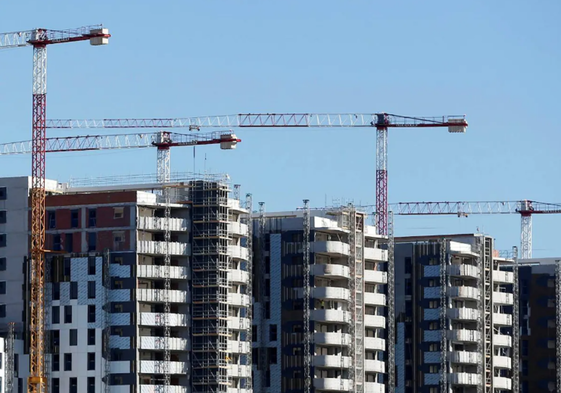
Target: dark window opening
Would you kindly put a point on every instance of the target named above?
(67, 314)
(91, 384)
(69, 242)
(51, 219)
(74, 385)
(2, 216)
(91, 313)
(2, 287)
(55, 314)
(273, 333)
(73, 290)
(2, 264)
(92, 217)
(68, 362)
(74, 218)
(91, 336)
(57, 245)
(56, 362)
(92, 237)
(91, 266)
(3, 193)
(56, 291)
(91, 360)
(91, 289)
(56, 384)
(3, 240)
(73, 337)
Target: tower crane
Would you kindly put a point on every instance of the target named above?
(162, 141)
(380, 121)
(39, 39)
(525, 208)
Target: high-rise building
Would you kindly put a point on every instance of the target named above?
(145, 287)
(453, 310)
(320, 302)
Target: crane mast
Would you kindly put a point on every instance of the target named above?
(39, 39)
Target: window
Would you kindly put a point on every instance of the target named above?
(73, 290)
(408, 265)
(56, 291)
(67, 362)
(433, 347)
(55, 314)
(55, 339)
(69, 242)
(67, 268)
(1, 365)
(2, 264)
(74, 218)
(550, 302)
(433, 369)
(296, 351)
(57, 243)
(74, 385)
(92, 218)
(91, 360)
(67, 314)
(56, 362)
(2, 216)
(2, 287)
(2, 311)
(92, 237)
(73, 337)
(91, 266)
(51, 219)
(432, 283)
(91, 336)
(524, 347)
(433, 326)
(3, 193)
(524, 367)
(273, 333)
(118, 212)
(119, 237)
(253, 333)
(91, 313)
(91, 289)
(2, 240)
(91, 384)
(272, 352)
(433, 304)
(56, 385)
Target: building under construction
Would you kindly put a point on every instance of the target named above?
(141, 295)
(320, 322)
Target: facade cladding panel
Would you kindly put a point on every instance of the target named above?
(537, 328)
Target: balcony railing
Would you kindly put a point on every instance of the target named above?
(236, 323)
(375, 254)
(375, 321)
(332, 361)
(158, 319)
(158, 224)
(333, 384)
(331, 247)
(158, 343)
(375, 276)
(157, 271)
(464, 271)
(332, 338)
(376, 299)
(238, 252)
(157, 367)
(159, 295)
(159, 248)
(375, 366)
(331, 270)
(503, 298)
(330, 316)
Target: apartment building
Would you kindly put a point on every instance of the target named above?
(539, 287)
(142, 295)
(453, 310)
(320, 303)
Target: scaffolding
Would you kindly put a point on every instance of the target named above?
(391, 305)
(480, 311)
(210, 286)
(488, 314)
(167, 284)
(558, 323)
(106, 319)
(263, 364)
(10, 359)
(443, 316)
(515, 324)
(307, 289)
(249, 290)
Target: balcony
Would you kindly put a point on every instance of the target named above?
(331, 361)
(239, 346)
(463, 314)
(238, 299)
(374, 387)
(158, 389)
(374, 366)
(376, 277)
(464, 378)
(157, 319)
(238, 252)
(332, 384)
(331, 247)
(159, 296)
(239, 371)
(158, 224)
(336, 316)
(376, 321)
(376, 299)
(238, 276)
(375, 254)
(464, 357)
(239, 390)
(464, 271)
(156, 271)
(157, 367)
(238, 229)
(332, 338)
(502, 362)
(502, 383)
(502, 319)
(236, 323)
(331, 293)
(234, 204)
(331, 271)
(502, 298)
(464, 336)
(502, 340)
(503, 277)
(464, 292)
(158, 248)
(374, 343)
(158, 343)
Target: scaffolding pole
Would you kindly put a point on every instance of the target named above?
(263, 364)
(488, 314)
(10, 359)
(558, 323)
(443, 317)
(249, 289)
(480, 309)
(391, 305)
(516, 325)
(167, 286)
(106, 319)
(307, 289)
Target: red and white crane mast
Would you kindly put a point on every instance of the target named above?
(381, 121)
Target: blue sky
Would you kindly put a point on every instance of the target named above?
(498, 62)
